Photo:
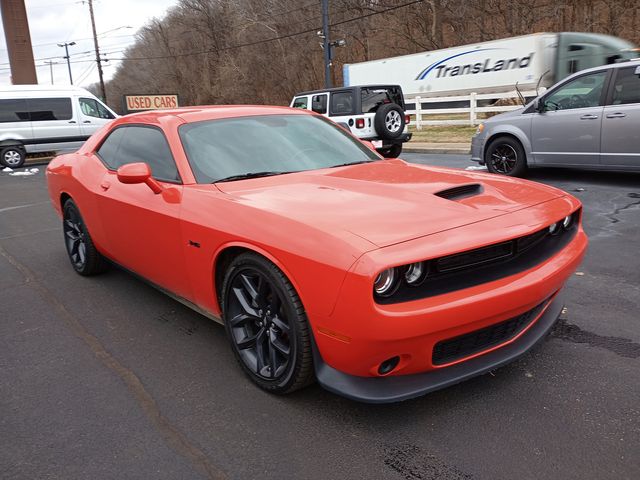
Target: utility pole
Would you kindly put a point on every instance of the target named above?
(98, 60)
(66, 46)
(51, 63)
(326, 46)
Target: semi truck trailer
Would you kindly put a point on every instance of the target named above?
(540, 59)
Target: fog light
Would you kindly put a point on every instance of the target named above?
(388, 365)
(566, 223)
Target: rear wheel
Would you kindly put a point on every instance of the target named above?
(266, 325)
(505, 156)
(84, 257)
(13, 156)
(393, 151)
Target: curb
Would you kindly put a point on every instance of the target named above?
(458, 151)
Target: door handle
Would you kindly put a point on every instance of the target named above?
(589, 116)
(105, 185)
(87, 121)
(616, 115)
(72, 121)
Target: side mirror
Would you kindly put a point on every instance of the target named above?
(133, 173)
(637, 71)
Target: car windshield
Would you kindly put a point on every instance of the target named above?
(267, 145)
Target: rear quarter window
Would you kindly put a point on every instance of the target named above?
(14, 110)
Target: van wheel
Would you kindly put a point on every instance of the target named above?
(505, 156)
(12, 157)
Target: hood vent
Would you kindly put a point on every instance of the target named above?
(460, 192)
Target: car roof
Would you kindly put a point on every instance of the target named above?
(342, 89)
(212, 112)
(43, 88)
(626, 63)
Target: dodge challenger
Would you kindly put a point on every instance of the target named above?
(382, 280)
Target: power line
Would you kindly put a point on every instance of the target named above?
(281, 37)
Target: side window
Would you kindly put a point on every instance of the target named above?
(341, 103)
(14, 110)
(92, 108)
(301, 102)
(108, 151)
(626, 88)
(148, 145)
(319, 103)
(582, 92)
(43, 109)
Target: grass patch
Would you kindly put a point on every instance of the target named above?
(443, 134)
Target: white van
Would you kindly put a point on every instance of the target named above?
(45, 118)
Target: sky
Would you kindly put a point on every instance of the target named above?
(59, 21)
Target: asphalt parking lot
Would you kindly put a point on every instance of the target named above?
(105, 377)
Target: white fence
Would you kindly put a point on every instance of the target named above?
(471, 111)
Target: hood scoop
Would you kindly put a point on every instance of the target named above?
(460, 192)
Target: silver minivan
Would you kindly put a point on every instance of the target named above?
(43, 118)
(588, 120)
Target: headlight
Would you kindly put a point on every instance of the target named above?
(554, 228)
(386, 282)
(480, 129)
(566, 223)
(415, 273)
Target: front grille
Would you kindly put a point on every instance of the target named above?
(485, 264)
(465, 345)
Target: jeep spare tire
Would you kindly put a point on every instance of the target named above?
(389, 121)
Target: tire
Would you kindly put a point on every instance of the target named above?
(13, 156)
(393, 151)
(273, 349)
(389, 121)
(505, 156)
(84, 257)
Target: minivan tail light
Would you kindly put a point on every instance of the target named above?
(359, 122)
(407, 119)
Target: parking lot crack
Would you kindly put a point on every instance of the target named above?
(613, 216)
(172, 436)
(573, 333)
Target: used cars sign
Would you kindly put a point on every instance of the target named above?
(137, 103)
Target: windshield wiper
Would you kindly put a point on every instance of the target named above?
(351, 163)
(245, 176)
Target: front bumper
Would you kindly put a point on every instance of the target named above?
(477, 148)
(403, 387)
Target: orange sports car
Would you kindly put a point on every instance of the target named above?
(381, 279)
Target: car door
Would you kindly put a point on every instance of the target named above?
(54, 124)
(566, 130)
(143, 228)
(621, 122)
(92, 115)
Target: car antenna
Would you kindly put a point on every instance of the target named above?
(539, 80)
(520, 95)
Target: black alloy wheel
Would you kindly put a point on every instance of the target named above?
(266, 325)
(505, 156)
(84, 257)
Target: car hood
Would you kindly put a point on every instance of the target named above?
(501, 116)
(388, 201)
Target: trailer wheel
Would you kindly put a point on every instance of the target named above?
(505, 156)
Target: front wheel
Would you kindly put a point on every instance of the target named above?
(266, 325)
(505, 156)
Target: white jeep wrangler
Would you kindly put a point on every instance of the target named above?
(370, 112)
